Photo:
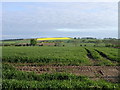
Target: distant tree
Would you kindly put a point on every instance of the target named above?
(33, 42)
(75, 38)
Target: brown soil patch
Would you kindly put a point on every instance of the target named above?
(109, 73)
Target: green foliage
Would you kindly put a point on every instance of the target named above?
(33, 42)
(13, 83)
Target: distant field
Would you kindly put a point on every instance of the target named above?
(28, 40)
(65, 38)
(16, 42)
(61, 42)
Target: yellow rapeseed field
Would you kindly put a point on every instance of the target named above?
(65, 38)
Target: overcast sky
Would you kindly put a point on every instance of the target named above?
(59, 19)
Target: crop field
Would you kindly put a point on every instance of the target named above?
(12, 78)
(65, 38)
(60, 67)
(60, 55)
(28, 40)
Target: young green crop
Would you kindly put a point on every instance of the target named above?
(58, 55)
(98, 58)
(13, 83)
(112, 53)
(18, 79)
(64, 55)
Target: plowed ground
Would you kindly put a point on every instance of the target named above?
(108, 73)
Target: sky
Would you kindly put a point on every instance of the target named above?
(59, 19)
(59, 0)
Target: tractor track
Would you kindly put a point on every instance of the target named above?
(90, 57)
(89, 54)
(108, 73)
(104, 55)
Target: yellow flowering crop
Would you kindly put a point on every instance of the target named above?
(65, 38)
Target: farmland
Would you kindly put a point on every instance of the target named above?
(12, 78)
(67, 64)
(65, 38)
(58, 55)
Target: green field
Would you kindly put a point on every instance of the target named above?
(16, 42)
(56, 56)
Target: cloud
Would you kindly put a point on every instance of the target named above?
(60, 1)
(51, 19)
(88, 30)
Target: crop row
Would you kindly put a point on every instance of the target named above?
(18, 79)
(13, 83)
(68, 55)
(63, 55)
(9, 72)
(112, 53)
(100, 60)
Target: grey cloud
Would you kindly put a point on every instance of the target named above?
(44, 20)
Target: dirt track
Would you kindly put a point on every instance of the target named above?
(109, 73)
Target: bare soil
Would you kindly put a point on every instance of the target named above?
(108, 73)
